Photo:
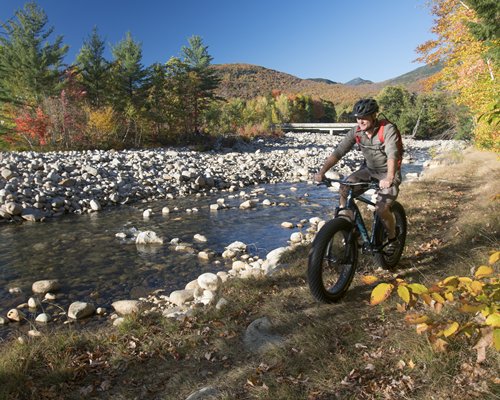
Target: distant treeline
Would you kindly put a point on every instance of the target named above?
(119, 103)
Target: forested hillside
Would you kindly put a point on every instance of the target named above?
(248, 81)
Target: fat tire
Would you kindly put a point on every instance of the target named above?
(317, 254)
(381, 259)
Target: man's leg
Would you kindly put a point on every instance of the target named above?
(361, 175)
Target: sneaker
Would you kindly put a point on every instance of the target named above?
(391, 246)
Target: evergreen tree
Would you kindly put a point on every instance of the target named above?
(127, 73)
(93, 69)
(202, 76)
(30, 66)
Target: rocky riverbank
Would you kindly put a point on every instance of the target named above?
(35, 186)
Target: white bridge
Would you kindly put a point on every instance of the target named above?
(313, 127)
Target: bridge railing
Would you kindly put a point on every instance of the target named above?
(312, 127)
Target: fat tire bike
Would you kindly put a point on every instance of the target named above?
(333, 257)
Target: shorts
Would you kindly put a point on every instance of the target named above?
(384, 196)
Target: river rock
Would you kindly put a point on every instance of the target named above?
(181, 297)
(209, 281)
(148, 237)
(80, 310)
(46, 285)
(15, 315)
(13, 208)
(42, 318)
(34, 302)
(259, 336)
(127, 307)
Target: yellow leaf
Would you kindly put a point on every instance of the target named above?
(450, 281)
(465, 279)
(451, 329)
(493, 320)
(369, 279)
(416, 318)
(404, 293)
(417, 288)
(421, 327)
(496, 339)
(469, 308)
(380, 293)
(476, 287)
(439, 345)
(449, 296)
(494, 257)
(426, 298)
(483, 271)
(411, 364)
(438, 298)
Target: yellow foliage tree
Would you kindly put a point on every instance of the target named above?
(102, 125)
(467, 71)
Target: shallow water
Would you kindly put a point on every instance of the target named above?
(94, 265)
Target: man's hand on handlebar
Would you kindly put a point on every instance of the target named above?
(385, 183)
(319, 177)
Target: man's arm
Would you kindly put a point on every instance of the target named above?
(391, 172)
(329, 163)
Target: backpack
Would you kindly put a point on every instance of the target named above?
(380, 134)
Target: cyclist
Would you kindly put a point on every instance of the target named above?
(381, 163)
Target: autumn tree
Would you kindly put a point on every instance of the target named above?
(30, 65)
(467, 73)
(93, 69)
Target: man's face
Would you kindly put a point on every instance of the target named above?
(367, 122)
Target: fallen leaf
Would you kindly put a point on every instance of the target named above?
(439, 345)
(494, 257)
(380, 293)
(451, 329)
(369, 279)
(404, 293)
(484, 271)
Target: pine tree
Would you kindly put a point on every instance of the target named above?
(93, 69)
(127, 73)
(30, 66)
(203, 77)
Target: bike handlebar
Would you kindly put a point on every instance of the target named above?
(369, 185)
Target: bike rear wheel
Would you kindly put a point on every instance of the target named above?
(384, 259)
(333, 260)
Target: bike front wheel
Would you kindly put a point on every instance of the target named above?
(333, 260)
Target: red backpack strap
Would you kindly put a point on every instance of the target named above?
(380, 132)
(356, 135)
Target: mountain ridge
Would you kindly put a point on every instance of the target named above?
(248, 81)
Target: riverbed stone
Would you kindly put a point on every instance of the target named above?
(148, 237)
(181, 297)
(209, 281)
(80, 310)
(15, 315)
(46, 285)
(127, 307)
(42, 318)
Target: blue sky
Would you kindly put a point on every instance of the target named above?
(332, 39)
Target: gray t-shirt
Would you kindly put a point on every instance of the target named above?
(375, 152)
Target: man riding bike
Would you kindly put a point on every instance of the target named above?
(382, 162)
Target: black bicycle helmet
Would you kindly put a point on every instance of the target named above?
(365, 107)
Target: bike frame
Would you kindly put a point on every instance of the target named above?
(369, 244)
